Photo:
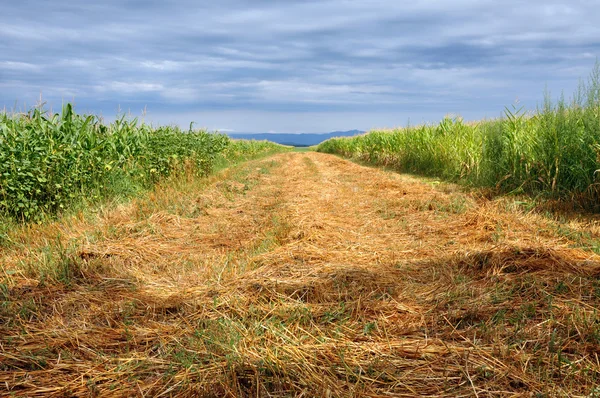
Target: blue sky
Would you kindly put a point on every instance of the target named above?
(294, 66)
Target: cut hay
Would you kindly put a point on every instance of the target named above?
(302, 275)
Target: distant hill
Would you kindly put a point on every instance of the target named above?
(294, 139)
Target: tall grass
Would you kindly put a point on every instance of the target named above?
(50, 161)
(553, 150)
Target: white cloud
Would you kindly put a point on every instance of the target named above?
(129, 87)
(19, 66)
(180, 94)
(163, 65)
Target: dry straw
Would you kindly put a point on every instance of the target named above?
(304, 275)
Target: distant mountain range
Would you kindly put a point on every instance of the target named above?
(294, 139)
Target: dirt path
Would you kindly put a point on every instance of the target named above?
(304, 274)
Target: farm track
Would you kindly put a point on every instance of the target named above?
(305, 274)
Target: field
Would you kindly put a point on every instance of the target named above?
(142, 261)
(302, 273)
(50, 163)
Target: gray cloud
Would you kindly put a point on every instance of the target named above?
(223, 62)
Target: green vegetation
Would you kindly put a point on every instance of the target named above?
(48, 162)
(554, 150)
(241, 150)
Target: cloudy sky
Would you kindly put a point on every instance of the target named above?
(294, 66)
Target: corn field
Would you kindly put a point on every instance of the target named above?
(50, 161)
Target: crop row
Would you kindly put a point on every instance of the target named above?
(49, 161)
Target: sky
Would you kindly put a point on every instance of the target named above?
(294, 66)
